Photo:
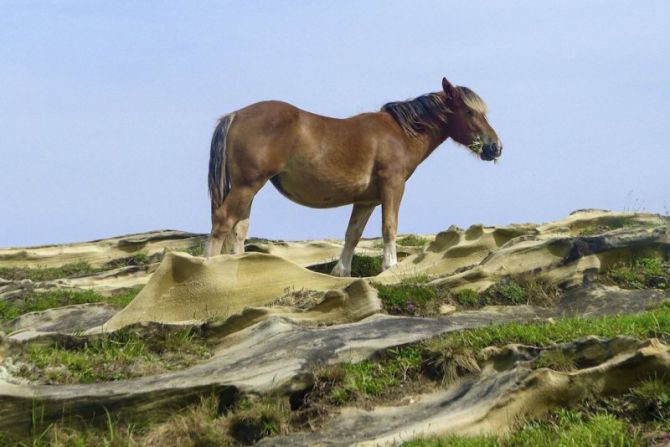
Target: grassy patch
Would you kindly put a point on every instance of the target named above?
(75, 269)
(522, 289)
(652, 397)
(609, 225)
(456, 354)
(196, 250)
(47, 273)
(137, 259)
(555, 359)
(643, 325)
(641, 273)
(258, 418)
(119, 355)
(412, 240)
(410, 297)
(350, 382)
(361, 266)
(38, 301)
(209, 422)
(468, 298)
(563, 428)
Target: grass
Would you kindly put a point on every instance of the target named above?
(137, 259)
(563, 428)
(208, 422)
(76, 269)
(640, 273)
(652, 397)
(414, 296)
(468, 298)
(412, 240)
(120, 355)
(411, 297)
(47, 273)
(196, 250)
(522, 289)
(362, 266)
(348, 382)
(555, 359)
(39, 301)
(258, 418)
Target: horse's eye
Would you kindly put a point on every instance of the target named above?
(470, 112)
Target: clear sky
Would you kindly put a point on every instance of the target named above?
(107, 108)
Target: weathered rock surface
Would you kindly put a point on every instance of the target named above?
(497, 400)
(263, 344)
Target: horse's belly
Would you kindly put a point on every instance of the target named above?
(319, 192)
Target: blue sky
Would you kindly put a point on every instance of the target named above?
(107, 108)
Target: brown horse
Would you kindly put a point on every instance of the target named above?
(325, 162)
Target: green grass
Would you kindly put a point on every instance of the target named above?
(255, 419)
(412, 240)
(651, 397)
(468, 298)
(555, 359)
(47, 273)
(348, 382)
(522, 289)
(73, 270)
(119, 355)
(196, 250)
(640, 273)
(410, 297)
(362, 266)
(38, 301)
(563, 428)
(654, 323)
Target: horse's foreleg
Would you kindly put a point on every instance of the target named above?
(390, 206)
(359, 217)
(234, 208)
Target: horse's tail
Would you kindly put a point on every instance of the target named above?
(219, 178)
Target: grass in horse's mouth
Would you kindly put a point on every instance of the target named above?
(476, 146)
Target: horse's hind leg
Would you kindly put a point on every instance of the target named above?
(359, 217)
(234, 243)
(235, 207)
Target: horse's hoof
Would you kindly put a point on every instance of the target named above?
(338, 270)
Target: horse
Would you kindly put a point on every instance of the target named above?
(324, 162)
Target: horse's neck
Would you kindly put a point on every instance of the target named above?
(427, 143)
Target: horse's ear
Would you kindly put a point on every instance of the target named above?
(449, 89)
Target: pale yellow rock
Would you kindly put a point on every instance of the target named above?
(446, 309)
(187, 289)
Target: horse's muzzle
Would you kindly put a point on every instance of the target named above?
(491, 151)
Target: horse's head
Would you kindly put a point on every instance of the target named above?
(467, 123)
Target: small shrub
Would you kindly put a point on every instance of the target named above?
(412, 241)
(648, 272)
(510, 292)
(448, 358)
(467, 297)
(364, 266)
(254, 420)
(410, 297)
(196, 250)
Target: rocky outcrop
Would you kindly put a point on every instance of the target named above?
(263, 341)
